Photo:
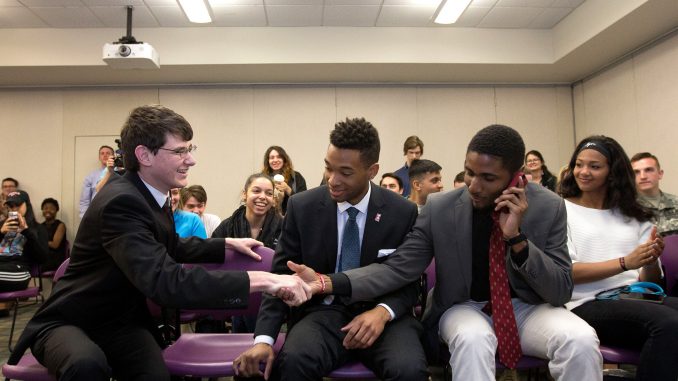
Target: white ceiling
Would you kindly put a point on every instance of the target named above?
(58, 42)
(529, 14)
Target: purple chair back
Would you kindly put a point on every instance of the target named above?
(669, 260)
(234, 261)
(61, 270)
(430, 275)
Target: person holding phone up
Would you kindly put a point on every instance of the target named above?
(23, 242)
(613, 244)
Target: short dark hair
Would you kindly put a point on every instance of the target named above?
(413, 142)
(500, 141)
(105, 146)
(459, 178)
(16, 183)
(50, 200)
(645, 155)
(421, 167)
(621, 183)
(149, 126)
(393, 176)
(358, 134)
(195, 191)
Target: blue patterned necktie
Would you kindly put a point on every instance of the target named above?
(350, 242)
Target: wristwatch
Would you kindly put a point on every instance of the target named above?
(516, 240)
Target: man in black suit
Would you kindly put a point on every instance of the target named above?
(319, 227)
(96, 324)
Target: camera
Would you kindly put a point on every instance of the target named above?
(118, 160)
(13, 215)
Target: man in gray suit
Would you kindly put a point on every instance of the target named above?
(456, 228)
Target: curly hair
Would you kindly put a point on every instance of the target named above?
(621, 183)
(358, 134)
(287, 168)
(501, 141)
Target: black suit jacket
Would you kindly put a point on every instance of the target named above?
(126, 250)
(309, 236)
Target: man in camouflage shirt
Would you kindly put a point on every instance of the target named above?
(664, 205)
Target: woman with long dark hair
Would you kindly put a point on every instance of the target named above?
(612, 245)
(278, 162)
(536, 166)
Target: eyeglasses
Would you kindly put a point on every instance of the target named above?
(533, 161)
(182, 152)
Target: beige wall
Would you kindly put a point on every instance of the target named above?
(636, 103)
(234, 125)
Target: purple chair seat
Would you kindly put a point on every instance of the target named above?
(28, 368)
(616, 355)
(16, 296)
(353, 369)
(21, 294)
(208, 354)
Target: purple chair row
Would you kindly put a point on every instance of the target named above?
(212, 355)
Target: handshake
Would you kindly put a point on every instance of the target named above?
(298, 288)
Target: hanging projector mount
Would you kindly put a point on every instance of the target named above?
(128, 53)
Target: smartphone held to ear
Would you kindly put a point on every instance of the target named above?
(514, 183)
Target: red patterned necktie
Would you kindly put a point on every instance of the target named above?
(500, 306)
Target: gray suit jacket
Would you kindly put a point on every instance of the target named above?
(443, 231)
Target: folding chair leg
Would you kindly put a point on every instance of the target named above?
(11, 331)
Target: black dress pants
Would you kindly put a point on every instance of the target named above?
(125, 353)
(313, 348)
(650, 327)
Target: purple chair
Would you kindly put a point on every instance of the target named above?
(212, 355)
(208, 354)
(28, 368)
(352, 370)
(615, 355)
(669, 260)
(15, 297)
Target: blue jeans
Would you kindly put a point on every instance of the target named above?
(650, 327)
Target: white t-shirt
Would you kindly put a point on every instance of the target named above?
(595, 235)
(211, 222)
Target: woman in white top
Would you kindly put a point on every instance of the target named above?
(613, 244)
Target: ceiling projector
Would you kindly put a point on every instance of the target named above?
(131, 56)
